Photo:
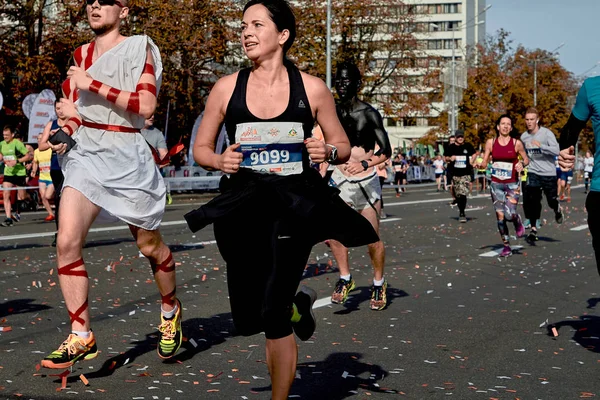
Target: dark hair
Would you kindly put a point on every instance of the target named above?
(282, 15)
(10, 128)
(500, 119)
(350, 67)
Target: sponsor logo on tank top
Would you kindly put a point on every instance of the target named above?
(301, 104)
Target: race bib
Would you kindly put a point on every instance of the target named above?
(460, 161)
(271, 147)
(398, 168)
(502, 170)
(45, 166)
(10, 158)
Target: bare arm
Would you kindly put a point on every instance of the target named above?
(208, 131)
(381, 137)
(321, 100)
(141, 102)
(488, 151)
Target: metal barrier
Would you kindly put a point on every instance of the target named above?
(418, 173)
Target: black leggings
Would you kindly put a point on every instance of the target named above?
(57, 180)
(265, 260)
(593, 211)
(532, 196)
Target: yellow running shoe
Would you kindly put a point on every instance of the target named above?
(379, 297)
(74, 349)
(170, 334)
(342, 288)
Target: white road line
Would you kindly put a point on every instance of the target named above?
(105, 229)
(580, 228)
(475, 209)
(495, 253)
(447, 199)
(390, 220)
(325, 301)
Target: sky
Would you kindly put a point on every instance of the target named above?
(545, 24)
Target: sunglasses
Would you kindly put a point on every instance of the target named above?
(105, 2)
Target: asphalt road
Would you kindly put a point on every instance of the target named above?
(461, 322)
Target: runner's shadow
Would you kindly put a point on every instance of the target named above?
(338, 377)
(107, 242)
(20, 306)
(593, 302)
(201, 334)
(468, 219)
(24, 246)
(587, 330)
(363, 295)
(177, 248)
(313, 270)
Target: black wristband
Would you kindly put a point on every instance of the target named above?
(364, 164)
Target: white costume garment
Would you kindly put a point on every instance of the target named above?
(116, 170)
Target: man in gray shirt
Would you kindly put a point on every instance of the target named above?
(542, 149)
(155, 138)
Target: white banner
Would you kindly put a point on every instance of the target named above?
(218, 147)
(27, 104)
(42, 112)
(1, 100)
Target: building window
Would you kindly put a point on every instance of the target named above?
(391, 122)
(409, 121)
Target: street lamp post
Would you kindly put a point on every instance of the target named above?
(453, 113)
(535, 62)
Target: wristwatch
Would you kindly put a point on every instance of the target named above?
(364, 164)
(333, 154)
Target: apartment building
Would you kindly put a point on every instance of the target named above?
(440, 25)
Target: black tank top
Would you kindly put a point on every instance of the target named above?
(298, 109)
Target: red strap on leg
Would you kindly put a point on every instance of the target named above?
(68, 269)
(164, 266)
(169, 298)
(75, 316)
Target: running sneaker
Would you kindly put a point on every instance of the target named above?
(527, 223)
(520, 229)
(304, 301)
(506, 251)
(462, 218)
(383, 215)
(538, 224)
(342, 288)
(532, 237)
(379, 297)
(453, 202)
(74, 349)
(16, 216)
(8, 222)
(558, 215)
(170, 334)
(49, 218)
(54, 241)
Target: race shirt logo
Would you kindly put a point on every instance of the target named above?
(266, 151)
(460, 161)
(502, 170)
(533, 150)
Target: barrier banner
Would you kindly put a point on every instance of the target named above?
(1, 100)
(27, 104)
(41, 113)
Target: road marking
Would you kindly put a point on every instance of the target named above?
(325, 301)
(448, 199)
(495, 253)
(475, 209)
(93, 230)
(390, 220)
(580, 228)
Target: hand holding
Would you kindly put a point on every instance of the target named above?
(317, 150)
(81, 78)
(229, 162)
(566, 159)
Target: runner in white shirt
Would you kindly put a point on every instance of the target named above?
(588, 167)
